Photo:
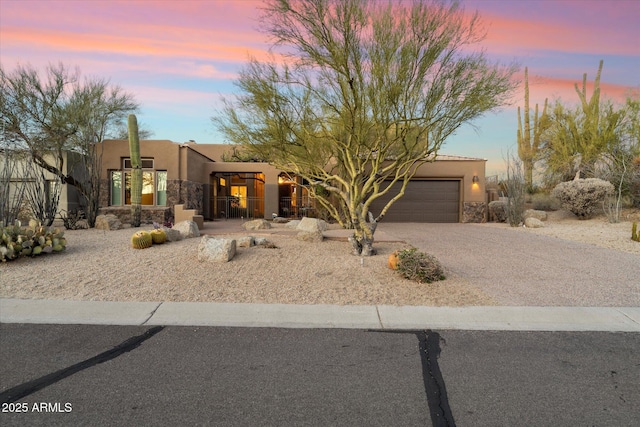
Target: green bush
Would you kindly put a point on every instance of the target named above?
(418, 266)
(34, 240)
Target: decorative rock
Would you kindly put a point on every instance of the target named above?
(108, 222)
(173, 235)
(532, 213)
(260, 241)
(312, 225)
(280, 220)
(187, 229)
(533, 223)
(245, 242)
(257, 224)
(293, 224)
(310, 236)
(216, 250)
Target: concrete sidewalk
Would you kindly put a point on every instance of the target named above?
(382, 317)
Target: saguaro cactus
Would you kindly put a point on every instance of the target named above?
(136, 171)
(528, 148)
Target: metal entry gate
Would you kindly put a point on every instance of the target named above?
(240, 207)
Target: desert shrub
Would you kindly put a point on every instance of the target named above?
(73, 220)
(498, 210)
(544, 202)
(418, 266)
(17, 241)
(516, 191)
(582, 197)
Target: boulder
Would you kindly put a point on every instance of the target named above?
(292, 224)
(108, 222)
(280, 220)
(257, 224)
(312, 225)
(532, 213)
(173, 235)
(187, 229)
(216, 250)
(260, 241)
(245, 242)
(310, 236)
(533, 223)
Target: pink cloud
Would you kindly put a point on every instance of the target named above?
(194, 48)
(518, 36)
(553, 88)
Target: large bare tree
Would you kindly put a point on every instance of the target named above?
(365, 92)
(54, 112)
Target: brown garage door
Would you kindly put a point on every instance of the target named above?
(423, 201)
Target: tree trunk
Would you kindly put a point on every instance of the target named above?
(362, 239)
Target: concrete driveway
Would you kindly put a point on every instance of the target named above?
(521, 269)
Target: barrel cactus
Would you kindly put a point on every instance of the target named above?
(158, 236)
(141, 240)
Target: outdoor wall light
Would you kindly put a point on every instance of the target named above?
(475, 179)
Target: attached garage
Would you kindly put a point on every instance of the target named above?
(423, 201)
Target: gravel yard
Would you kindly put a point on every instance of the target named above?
(478, 260)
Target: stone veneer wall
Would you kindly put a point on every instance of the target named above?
(149, 215)
(474, 212)
(188, 193)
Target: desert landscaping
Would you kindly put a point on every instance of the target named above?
(101, 265)
(596, 231)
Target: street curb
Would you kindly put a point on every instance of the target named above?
(382, 317)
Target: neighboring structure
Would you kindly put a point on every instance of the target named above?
(22, 172)
(450, 189)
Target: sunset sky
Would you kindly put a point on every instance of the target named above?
(179, 57)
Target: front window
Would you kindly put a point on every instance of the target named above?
(161, 194)
(154, 185)
(116, 188)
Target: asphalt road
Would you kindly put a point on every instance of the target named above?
(126, 375)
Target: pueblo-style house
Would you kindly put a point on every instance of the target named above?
(451, 189)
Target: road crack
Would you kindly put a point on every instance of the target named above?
(23, 390)
(434, 384)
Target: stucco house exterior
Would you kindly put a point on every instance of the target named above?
(17, 172)
(451, 189)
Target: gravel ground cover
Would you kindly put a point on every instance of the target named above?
(567, 263)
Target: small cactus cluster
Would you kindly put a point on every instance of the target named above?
(144, 239)
(635, 234)
(33, 240)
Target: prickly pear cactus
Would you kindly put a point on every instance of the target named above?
(31, 241)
